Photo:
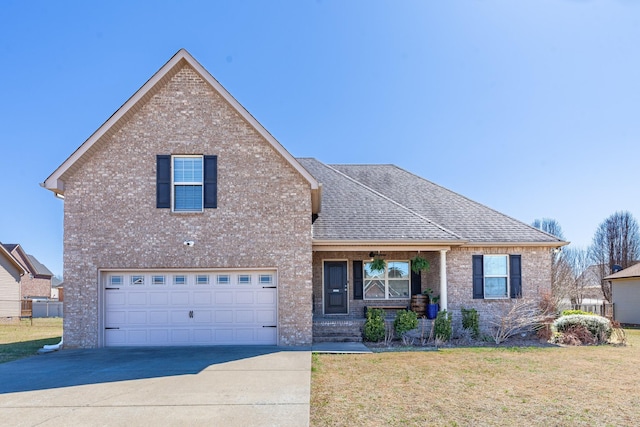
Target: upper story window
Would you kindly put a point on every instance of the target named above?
(186, 183)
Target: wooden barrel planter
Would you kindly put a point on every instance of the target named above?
(419, 304)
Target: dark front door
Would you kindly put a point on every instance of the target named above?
(335, 287)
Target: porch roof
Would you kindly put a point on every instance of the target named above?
(385, 203)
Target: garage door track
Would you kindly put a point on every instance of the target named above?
(226, 386)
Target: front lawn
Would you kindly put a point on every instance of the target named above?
(24, 339)
(479, 386)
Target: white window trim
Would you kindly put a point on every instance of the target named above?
(386, 282)
(173, 183)
(507, 277)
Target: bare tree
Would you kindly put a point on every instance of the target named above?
(578, 278)
(615, 242)
(561, 272)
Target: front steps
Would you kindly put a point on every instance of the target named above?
(337, 330)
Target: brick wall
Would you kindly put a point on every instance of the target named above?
(536, 277)
(263, 219)
(32, 286)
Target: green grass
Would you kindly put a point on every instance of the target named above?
(566, 386)
(25, 339)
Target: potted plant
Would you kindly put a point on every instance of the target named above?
(377, 264)
(419, 264)
(433, 307)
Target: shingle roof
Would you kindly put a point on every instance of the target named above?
(394, 202)
(627, 273)
(40, 269)
(352, 211)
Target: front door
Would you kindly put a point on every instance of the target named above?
(335, 287)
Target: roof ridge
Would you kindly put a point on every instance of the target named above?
(477, 203)
(392, 201)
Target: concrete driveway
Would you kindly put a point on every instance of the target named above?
(213, 386)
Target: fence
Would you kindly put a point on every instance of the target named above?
(604, 309)
(47, 309)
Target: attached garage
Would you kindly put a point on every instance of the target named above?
(172, 308)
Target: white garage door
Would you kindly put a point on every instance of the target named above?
(190, 308)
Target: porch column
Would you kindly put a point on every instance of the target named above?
(443, 279)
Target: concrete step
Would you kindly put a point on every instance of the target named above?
(337, 338)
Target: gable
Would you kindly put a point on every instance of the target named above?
(10, 264)
(181, 62)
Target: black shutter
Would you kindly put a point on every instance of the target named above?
(478, 277)
(515, 275)
(163, 181)
(416, 283)
(210, 181)
(357, 280)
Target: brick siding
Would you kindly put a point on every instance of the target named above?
(263, 219)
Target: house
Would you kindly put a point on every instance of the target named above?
(625, 294)
(10, 273)
(37, 282)
(187, 223)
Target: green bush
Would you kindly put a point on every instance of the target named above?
(404, 322)
(374, 325)
(598, 326)
(471, 321)
(570, 312)
(442, 326)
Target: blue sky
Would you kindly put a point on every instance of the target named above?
(530, 107)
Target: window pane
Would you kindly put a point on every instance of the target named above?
(495, 265)
(179, 280)
(223, 279)
(372, 274)
(374, 289)
(137, 280)
(187, 169)
(495, 287)
(398, 270)
(266, 279)
(244, 279)
(188, 198)
(157, 280)
(116, 280)
(398, 289)
(202, 279)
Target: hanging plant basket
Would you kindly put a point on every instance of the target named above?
(419, 264)
(377, 264)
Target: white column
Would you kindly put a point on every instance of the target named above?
(443, 279)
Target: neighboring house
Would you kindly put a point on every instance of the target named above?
(10, 273)
(57, 289)
(187, 223)
(37, 282)
(625, 294)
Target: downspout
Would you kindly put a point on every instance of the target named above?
(443, 279)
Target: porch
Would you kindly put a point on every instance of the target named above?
(349, 329)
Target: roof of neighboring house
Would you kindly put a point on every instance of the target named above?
(39, 268)
(55, 182)
(55, 282)
(385, 202)
(7, 254)
(627, 273)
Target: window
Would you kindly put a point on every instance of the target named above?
(391, 283)
(244, 279)
(115, 280)
(497, 276)
(187, 184)
(137, 280)
(180, 280)
(223, 279)
(157, 280)
(266, 279)
(202, 279)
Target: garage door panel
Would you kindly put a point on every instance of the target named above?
(224, 316)
(223, 298)
(179, 298)
(137, 318)
(137, 298)
(231, 310)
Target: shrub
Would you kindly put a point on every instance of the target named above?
(442, 326)
(374, 329)
(471, 321)
(570, 312)
(404, 322)
(521, 316)
(574, 325)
